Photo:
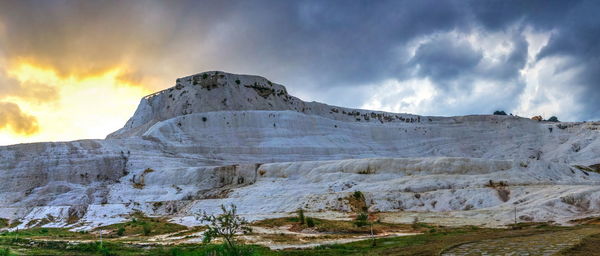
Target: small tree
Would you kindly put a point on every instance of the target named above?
(499, 113)
(553, 119)
(226, 225)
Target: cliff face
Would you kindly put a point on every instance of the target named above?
(218, 138)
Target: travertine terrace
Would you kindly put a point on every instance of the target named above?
(218, 138)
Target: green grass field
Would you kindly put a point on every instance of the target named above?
(433, 240)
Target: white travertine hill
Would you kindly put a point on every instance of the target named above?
(219, 91)
(219, 138)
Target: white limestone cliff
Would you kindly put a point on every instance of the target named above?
(219, 138)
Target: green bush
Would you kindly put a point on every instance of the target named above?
(121, 231)
(499, 113)
(310, 222)
(361, 220)
(362, 216)
(146, 229)
(358, 195)
(237, 81)
(553, 119)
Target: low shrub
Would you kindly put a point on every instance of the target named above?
(146, 229)
(301, 216)
(361, 220)
(3, 222)
(358, 195)
(121, 231)
(310, 222)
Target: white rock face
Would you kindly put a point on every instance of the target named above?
(218, 138)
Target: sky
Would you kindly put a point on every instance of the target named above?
(77, 69)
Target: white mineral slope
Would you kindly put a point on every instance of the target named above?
(218, 138)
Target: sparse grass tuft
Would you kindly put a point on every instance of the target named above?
(586, 168)
(587, 246)
(15, 223)
(367, 171)
(142, 225)
(334, 226)
(47, 233)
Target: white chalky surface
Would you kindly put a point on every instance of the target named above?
(210, 140)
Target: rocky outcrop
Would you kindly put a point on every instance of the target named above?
(217, 138)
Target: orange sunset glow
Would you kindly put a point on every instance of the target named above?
(70, 107)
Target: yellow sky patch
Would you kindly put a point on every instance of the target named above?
(86, 107)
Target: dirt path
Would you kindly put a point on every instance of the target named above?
(290, 239)
(542, 244)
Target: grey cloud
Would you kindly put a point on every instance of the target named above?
(445, 59)
(326, 50)
(578, 38)
(497, 15)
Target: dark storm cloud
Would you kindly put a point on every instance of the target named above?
(322, 50)
(338, 43)
(497, 15)
(445, 59)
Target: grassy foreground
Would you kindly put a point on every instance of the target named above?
(432, 241)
